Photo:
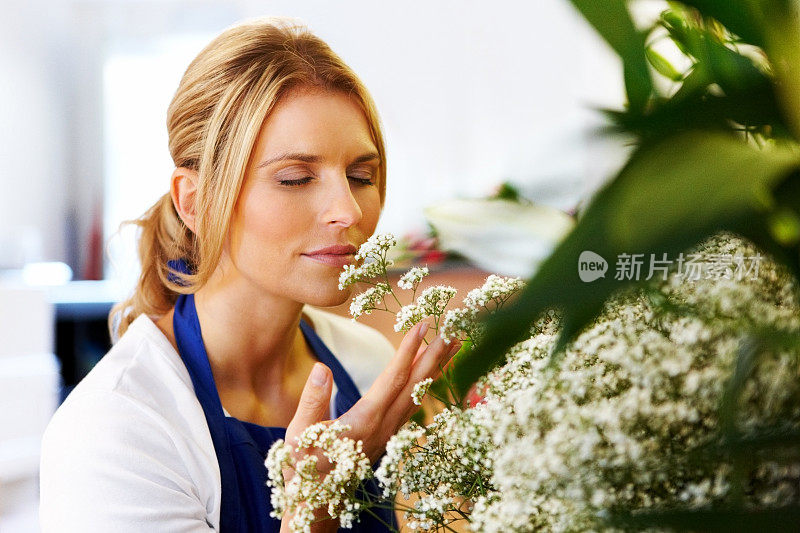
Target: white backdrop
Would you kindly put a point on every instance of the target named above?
(471, 93)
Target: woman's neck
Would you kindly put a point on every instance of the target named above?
(258, 356)
(253, 342)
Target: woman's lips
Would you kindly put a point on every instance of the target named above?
(335, 260)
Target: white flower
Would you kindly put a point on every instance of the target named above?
(376, 246)
(420, 390)
(407, 316)
(278, 457)
(552, 446)
(368, 300)
(411, 279)
(353, 274)
(496, 290)
(638, 388)
(433, 300)
(460, 322)
(396, 449)
(307, 490)
(373, 255)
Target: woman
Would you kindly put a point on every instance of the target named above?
(280, 176)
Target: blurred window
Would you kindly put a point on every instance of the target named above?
(138, 84)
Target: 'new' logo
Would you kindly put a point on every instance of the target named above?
(591, 266)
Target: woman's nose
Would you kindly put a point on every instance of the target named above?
(343, 208)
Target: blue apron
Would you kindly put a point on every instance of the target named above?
(241, 447)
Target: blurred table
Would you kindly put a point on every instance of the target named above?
(81, 326)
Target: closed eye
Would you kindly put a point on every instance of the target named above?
(302, 181)
(294, 183)
(361, 181)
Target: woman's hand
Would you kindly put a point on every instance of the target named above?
(387, 405)
(383, 409)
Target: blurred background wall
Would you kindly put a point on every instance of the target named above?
(471, 94)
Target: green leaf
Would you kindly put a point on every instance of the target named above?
(662, 66)
(455, 374)
(782, 45)
(686, 111)
(739, 16)
(670, 195)
(419, 417)
(785, 227)
(785, 198)
(732, 71)
(694, 84)
(768, 440)
(508, 191)
(613, 22)
(785, 221)
(749, 95)
(746, 360)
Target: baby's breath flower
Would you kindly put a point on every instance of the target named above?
(420, 390)
(278, 457)
(348, 276)
(353, 274)
(407, 316)
(496, 289)
(460, 322)
(637, 390)
(376, 246)
(373, 255)
(434, 299)
(368, 300)
(551, 446)
(429, 509)
(411, 279)
(307, 491)
(396, 449)
(302, 519)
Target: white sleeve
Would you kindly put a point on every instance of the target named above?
(108, 464)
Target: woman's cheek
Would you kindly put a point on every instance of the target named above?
(370, 203)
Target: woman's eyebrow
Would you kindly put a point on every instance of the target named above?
(310, 158)
(371, 156)
(290, 156)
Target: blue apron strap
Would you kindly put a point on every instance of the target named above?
(348, 393)
(193, 352)
(346, 397)
(240, 446)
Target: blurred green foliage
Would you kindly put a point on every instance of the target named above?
(718, 150)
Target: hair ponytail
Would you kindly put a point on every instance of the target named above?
(163, 239)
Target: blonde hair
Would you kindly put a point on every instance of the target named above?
(213, 121)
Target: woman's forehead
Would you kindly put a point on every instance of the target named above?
(317, 125)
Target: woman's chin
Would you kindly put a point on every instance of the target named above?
(327, 298)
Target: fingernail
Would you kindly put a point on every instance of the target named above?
(318, 375)
(423, 329)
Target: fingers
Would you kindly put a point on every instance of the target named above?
(387, 405)
(389, 383)
(428, 362)
(314, 402)
(420, 351)
(429, 365)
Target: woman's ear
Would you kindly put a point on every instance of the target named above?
(183, 189)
